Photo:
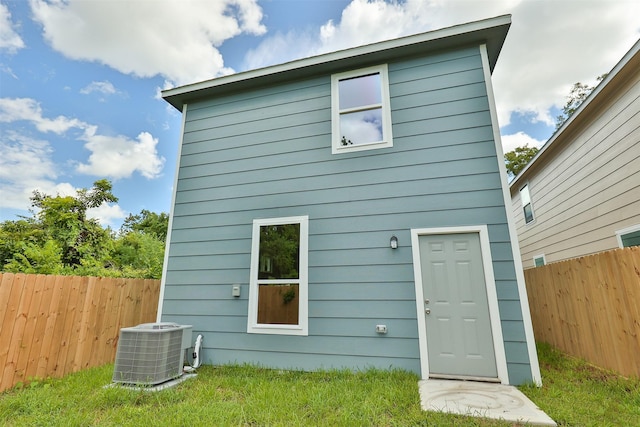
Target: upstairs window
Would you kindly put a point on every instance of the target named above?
(539, 260)
(278, 283)
(527, 208)
(361, 116)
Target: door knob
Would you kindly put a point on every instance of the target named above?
(427, 311)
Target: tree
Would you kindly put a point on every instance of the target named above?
(60, 239)
(517, 159)
(35, 259)
(14, 234)
(137, 254)
(148, 223)
(65, 220)
(579, 92)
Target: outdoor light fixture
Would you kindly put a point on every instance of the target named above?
(393, 242)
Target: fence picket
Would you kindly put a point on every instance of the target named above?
(10, 325)
(55, 325)
(588, 307)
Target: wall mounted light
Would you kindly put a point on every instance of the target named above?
(393, 242)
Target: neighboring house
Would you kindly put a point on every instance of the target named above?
(349, 211)
(581, 193)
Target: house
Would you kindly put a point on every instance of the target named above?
(581, 193)
(349, 211)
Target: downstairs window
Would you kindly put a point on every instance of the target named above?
(278, 294)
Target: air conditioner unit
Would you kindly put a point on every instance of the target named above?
(151, 353)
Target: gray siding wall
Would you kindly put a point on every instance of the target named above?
(267, 153)
(590, 189)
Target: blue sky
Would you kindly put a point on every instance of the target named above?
(80, 79)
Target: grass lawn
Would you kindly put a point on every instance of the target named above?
(573, 394)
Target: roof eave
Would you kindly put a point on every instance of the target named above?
(491, 32)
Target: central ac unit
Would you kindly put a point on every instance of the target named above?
(151, 353)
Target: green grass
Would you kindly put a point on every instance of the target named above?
(573, 394)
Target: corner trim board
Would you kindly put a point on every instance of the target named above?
(163, 280)
(515, 247)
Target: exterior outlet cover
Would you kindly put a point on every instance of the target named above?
(235, 291)
(381, 329)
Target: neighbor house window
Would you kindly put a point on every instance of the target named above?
(361, 116)
(278, 282)
(527, 208)
(629, 236)
(539, 260)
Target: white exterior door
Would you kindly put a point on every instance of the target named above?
(458, 335)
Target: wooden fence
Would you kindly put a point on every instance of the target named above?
(54, 325)
(589, 307)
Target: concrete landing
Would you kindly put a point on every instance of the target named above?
(480, 399)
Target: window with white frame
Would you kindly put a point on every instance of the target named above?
(278, 292)
(539, 260)
(629, 236)
(360, 111)
(527, 208)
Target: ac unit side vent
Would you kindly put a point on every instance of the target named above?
(150, 354)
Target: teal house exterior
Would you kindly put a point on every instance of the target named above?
(351, 210)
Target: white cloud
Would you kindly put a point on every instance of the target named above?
(548, 49)
(111, 156)
(551, 44)
(120, 156)
(107, 215)
(10, 41)
(106, 88)
(26, 165)
(175, 39)
(18, 109)
(519, 139)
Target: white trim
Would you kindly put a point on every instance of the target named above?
(627, 230)
(492, 297)
(302, 328)
(535, 257)
(515, 248)
(387, 135)
(163, 280)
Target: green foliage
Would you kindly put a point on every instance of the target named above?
(147, 222)
(60, 239)
(65, 220)
(517, 159)
(579, 92)
(15, 234)
(280, 245)
(36, 259)
(139, 254)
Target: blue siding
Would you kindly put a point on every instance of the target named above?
(267, 153)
